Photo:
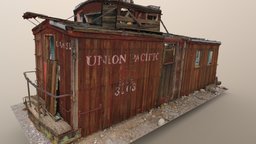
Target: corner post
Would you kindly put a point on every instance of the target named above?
(74, 83)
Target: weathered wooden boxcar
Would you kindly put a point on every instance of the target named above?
(90, 76)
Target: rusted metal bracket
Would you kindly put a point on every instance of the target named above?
(93, 110)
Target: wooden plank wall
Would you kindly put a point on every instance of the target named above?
(110, 92)
(114, 18)
(110, 15)
(64, 58)
(130, 19)
(39, 63)
(47, 71)
(195, 78)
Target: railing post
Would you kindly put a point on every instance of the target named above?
(38, 106)
(29, 94)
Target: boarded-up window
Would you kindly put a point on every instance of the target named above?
(209, 61)
(169, 56)
(198, 57)
(169, 53)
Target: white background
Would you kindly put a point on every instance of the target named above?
(229, 119)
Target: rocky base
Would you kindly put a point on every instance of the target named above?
(134, 128)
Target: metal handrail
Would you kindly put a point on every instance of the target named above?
(40, 89)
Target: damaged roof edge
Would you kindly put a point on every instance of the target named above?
(64, 24)
(57, 24)
(30, 15)
(61, 23)
(194, 39)
(205, 41)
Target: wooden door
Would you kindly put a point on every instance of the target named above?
(167, 74)
(50, 73)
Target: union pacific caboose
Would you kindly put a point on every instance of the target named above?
(109, 64)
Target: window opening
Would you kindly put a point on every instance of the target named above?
(209, 61)
(198, 56)
(52, 48)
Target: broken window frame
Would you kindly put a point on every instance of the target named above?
(90, 17)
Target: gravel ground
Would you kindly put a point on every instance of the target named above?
(131, 129)
(32, 134)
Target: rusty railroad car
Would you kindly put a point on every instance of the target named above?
(97, 71)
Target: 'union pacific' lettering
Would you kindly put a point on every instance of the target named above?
(145, 57)
(99, 60)
(120, 59)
